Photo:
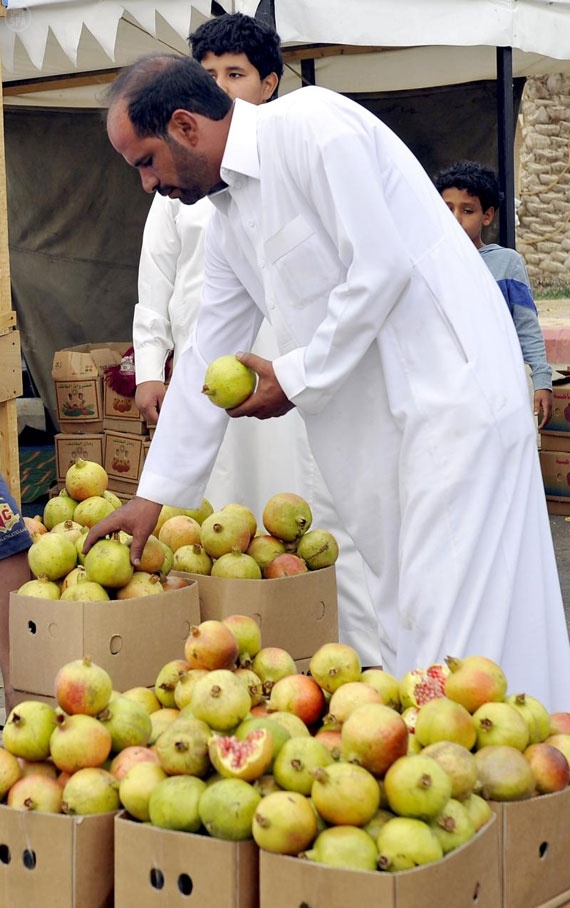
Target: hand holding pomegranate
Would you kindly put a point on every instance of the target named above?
(137, 518)
(268, 399)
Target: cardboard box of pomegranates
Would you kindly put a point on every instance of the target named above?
(470, 875)
(160, 867)
(132, 639)
(534, 838)
(298, 613)
(78, 373)
(56, 860)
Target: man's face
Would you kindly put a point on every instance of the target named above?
(239, 78)
(166, 166)
(468, 211)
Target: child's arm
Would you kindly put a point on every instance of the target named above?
(534, 353)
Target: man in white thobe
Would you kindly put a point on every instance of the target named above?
(395, 347)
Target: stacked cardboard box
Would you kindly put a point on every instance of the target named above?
(555, 447)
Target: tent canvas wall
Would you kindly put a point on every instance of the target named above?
(76, 211)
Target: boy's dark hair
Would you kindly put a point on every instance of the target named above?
(157, 85)
(475, 178)
(236, 33)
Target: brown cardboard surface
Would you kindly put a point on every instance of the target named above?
(69, 860)
(297, 613)
(559, 507)
(560, 419)
(468, 876)
(561, 901)
(156, 868)
(555, 468)
(555, 441)
(131, 639)
(72, 446)
(78, 376)
(124, 456)
(535, 845)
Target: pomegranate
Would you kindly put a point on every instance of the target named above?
(127, 722)
(535, 713)
(114, 499)
(131, 756)
(348, 847)
(246, 513)
(386, 684)
(91, 510)
(136, 787)
(108, 562)
(271, 664)
(11, 770)
(152, 556)
(211, 645)
(445, 720)
(68, 528)
(345, 794)
(500, 723)
(79, 741)
(277, 733)
(318, 549)
(173, 803)
(253, 684)
(31, 767)
(474, 680)
(185, 684)
(90, 790)
(300, 695)
(145, 696)
(237, 566)
(182, 747)
(333, 664)
(349, 697)
(296, 761)
(405, 842)
(284, 822)
(76, 575)
(28, 730)
(167, 679)
(419, 685)
(85, 591)
(228, 382)
(223, 532)
(85, 478)
(242, 758)
(36, 792)
(35, 526)
(61, 507)
(40, 587)
(287, 516)
(160, 721)
(220, 699)
(192, 559)
(227, 807)
(52, 556)
(291, 723)
(454, 826)
(479, 810)
(559, 723)
(265, 548)
(82, 686)
(179, 531)
(459, 764)
(141, 584)
(503, 774)
(417, 786)
(562, 742)
(379, 820)
(286, 565)
(332, 739)
(374, 736)
(549, 766)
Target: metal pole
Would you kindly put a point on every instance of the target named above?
(506, 145)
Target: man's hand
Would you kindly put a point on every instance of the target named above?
(268, 399)
(148, 398)
(138, 518)
(543, 406)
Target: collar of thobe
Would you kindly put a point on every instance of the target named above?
(240, 154)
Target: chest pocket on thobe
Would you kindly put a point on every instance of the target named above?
(305, 263)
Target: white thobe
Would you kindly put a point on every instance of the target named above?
(398, 351)
(256, 459)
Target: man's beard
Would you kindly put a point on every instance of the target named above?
(192, 173)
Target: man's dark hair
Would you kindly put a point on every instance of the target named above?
(235, 33)
(477, 179)
(157, 85)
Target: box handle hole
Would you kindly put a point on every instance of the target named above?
(32, 627)
(115, 644)
(476, 893)
(543, 849)
(29, 859)
(156, 878)
(5, 856)
(185, 884)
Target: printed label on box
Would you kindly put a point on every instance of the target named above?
(78, 400)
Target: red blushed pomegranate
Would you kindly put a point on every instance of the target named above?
(300, 695)
(560, 723)
(211, 645)
(474, 680)
(549, 766)
(421, 685)
(130, 756)
(82, 686)
(285, 565)
(374, 736)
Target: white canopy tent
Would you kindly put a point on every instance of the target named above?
(76, 212)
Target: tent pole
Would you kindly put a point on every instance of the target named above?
(506, 143)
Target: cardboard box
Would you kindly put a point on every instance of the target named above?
(560, 419)
(78, 376)
(72, 446)
(55, 860)
(121, 414)
(555, 441)
(124, 457)
(558, 507)
(297, 613)
(160, 867)
(132, 639)
(534, 838)
(555, 467)
(470, 875)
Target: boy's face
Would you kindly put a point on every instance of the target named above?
(239, 78)
(468, 211)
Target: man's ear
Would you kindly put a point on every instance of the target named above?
(183, 126)
(270, 83)
(488, 216)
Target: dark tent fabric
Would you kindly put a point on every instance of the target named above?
(76, 212)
